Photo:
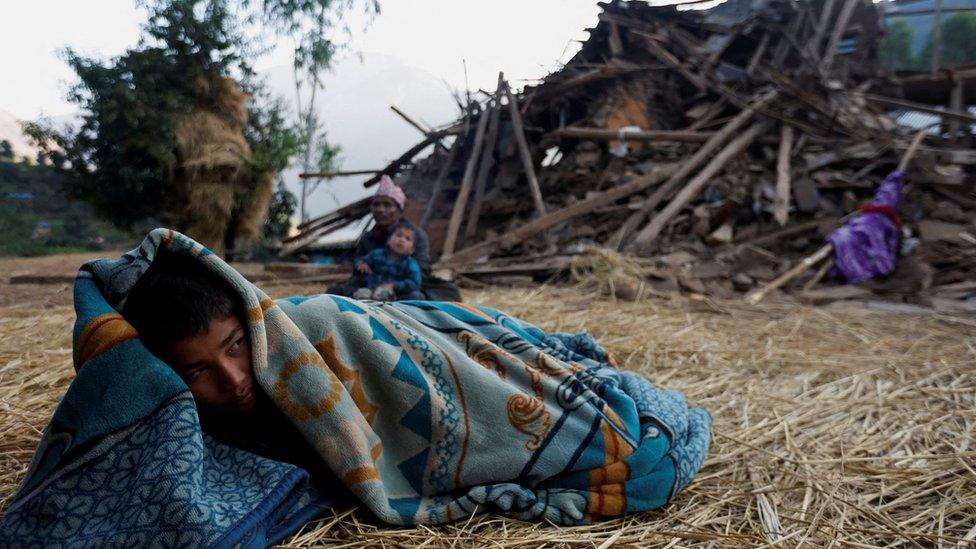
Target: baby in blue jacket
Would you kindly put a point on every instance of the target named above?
(391, 272)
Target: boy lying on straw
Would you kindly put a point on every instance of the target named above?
(197, 419)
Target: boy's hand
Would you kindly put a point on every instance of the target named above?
(388, 286)
(364, 268)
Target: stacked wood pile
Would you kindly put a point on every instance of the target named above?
(718, 146)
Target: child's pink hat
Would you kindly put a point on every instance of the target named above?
(389, 189)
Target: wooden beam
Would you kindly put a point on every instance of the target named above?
(519, 234)
(435, 190)
(669, 59)
(939, 9)
(487, 161)
(799, 228)
(956, 103)
(361, 205)
(422, 129)
(689, 165)
(822, 22)
(393, 167)
(328, 175)
(757, 55)
(308, 237)
(572, 82)
(523, 147)
(647, 235)
(846, 11)
(781, 209)
(921, 107)
(937, 38)
(808, 262)
(600, 134)
(462, 198)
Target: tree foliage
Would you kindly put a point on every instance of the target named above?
(896, 46)
(957, 45)
(122, 157)
(959, 39)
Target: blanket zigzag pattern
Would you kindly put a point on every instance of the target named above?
(426, 411)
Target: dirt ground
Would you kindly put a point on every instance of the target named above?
(835, 426)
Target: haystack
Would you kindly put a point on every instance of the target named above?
(220, 198)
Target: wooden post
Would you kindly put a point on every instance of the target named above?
(822, 22)
(688, 166)
(600, 134)
(781, 210)
(328, 175)
(801, 267)
(664, 55)
(937, 38)
(839, 27)
(956, 104)
(536, 226)
(736, 147)
(441, 176)
(462, 198)
(758, 54)
(523, 147)
(410, 121)
(487, 161)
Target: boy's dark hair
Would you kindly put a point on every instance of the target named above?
(177, 297)
(403, 227)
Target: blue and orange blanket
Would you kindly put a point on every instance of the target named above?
(427, 411)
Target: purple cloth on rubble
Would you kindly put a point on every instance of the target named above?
(867, 246)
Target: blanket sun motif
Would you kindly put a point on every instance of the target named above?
(427, 411)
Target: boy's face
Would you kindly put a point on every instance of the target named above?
(401, 241)
(216, 365)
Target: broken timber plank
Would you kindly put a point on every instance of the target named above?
(422, 129)
(466, 180)
(311, 175)
(668, 58)
(600, 134)
(393, 167)
(758, 54)
(523, 146)
(846, 11)
(441, 176)
(822, 22)
(311, 236)
(355, 209)
(532, 228)
(781, 209)
(688, 166)
(487, 162)
(647, 235)
(920, 107)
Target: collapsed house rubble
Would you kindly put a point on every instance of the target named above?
(715, 148)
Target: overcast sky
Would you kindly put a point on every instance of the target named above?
(525, 38)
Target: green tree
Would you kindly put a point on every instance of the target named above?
(311, 25)
(278, 222)
(123, 155)
(959, 39)
(896, 46)
(6, 151)
(123, 158)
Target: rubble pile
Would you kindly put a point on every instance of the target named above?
(717, 147)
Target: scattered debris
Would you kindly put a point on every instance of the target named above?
(734, 139)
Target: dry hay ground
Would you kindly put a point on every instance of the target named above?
(833, 428)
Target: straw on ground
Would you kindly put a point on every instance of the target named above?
(833, 427)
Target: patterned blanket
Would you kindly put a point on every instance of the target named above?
(427, 412)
